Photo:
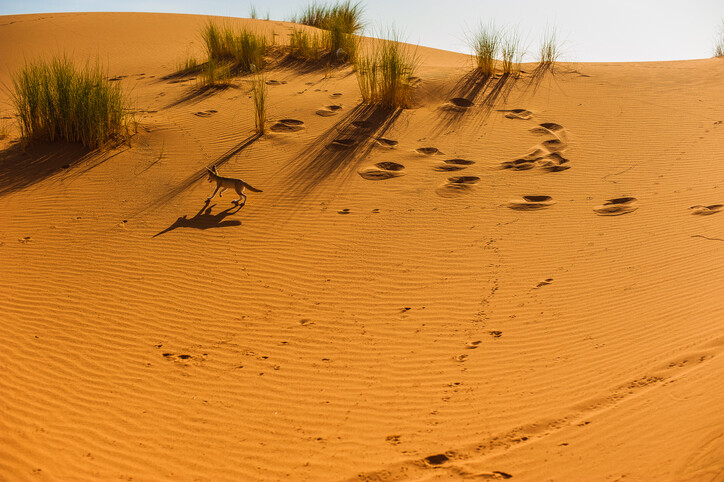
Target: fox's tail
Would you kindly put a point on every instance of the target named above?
(252, 188)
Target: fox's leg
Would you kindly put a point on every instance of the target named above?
(241, 194)
(222, 191)
(215, 191)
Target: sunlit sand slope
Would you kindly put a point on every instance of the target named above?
(516, 277)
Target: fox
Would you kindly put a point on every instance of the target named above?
(224, 183)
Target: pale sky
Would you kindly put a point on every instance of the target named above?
(589, 31)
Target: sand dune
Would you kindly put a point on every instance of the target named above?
(513, 278)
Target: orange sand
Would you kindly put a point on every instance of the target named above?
(356, 321)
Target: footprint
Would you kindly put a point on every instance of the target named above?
(518, 165)
(384, 142)
(530, 203)
(554, 163)
(362, 124)
(435, 460)
(344, 211)
(336, 95)
(342, 143)
(457, 185)
(382, 170)
(706, 210)
(544, 282)
(461, 102)
(473, 345)
(554, 145)
(522, 114)
(548, 128)
(453, 165)
(617, 206)
(496, 333)
(287, 125)
(428, 151)
(206, 113)
(329, 110)
(275, 82)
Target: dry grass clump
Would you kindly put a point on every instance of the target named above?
(243, 51)
(485, 43)
(339, 22)
(56, 100)
(511, 54)
(259, 92)
(719, 45)
(305, 45)
(385, 74)
(346, 16)
(549, 51)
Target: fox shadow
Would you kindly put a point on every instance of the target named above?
(204, 219)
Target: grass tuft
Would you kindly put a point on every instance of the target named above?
(549, 51)
(485, 43)
(57, 100)
(346, 16)
(252, 12)
(511, 53)
(305, 45)
(385, 73)
(259, 92)
(340, 24)
(719, 43)
(242, 51)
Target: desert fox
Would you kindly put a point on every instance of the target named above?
(224, 183)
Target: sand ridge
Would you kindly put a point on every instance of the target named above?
(379, 312)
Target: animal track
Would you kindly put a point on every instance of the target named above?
(522, 114)
(275, 82)
(706, 210)
(457, 185)
(428, 151)
(382, 170)
(531, 203)
(453, 165)
(548, 128)
(287, 125)
(206, 113)
(617, 206)
(329, 110)
(384, 142)
(554, 145)
(342, 143)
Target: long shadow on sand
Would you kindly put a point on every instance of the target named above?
(475, 95)
(336, 152)
(198, 175)
(205, 220)
(20, 169)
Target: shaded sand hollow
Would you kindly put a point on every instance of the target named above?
(508, 285)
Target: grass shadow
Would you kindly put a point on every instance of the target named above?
(199, 175)
(21, 168)
(205, 220)
(475, 95)
(336, 152)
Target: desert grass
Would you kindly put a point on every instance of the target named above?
(243, 51)
(549, 51)
(57, 100)
(485, 43)
(346, 16)
(305, 45)
(719, 42)
(252, 12)
(215, 74)
(385, 73)
(340, 23)
(188, 65)
(259, 94)
(511, 54)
